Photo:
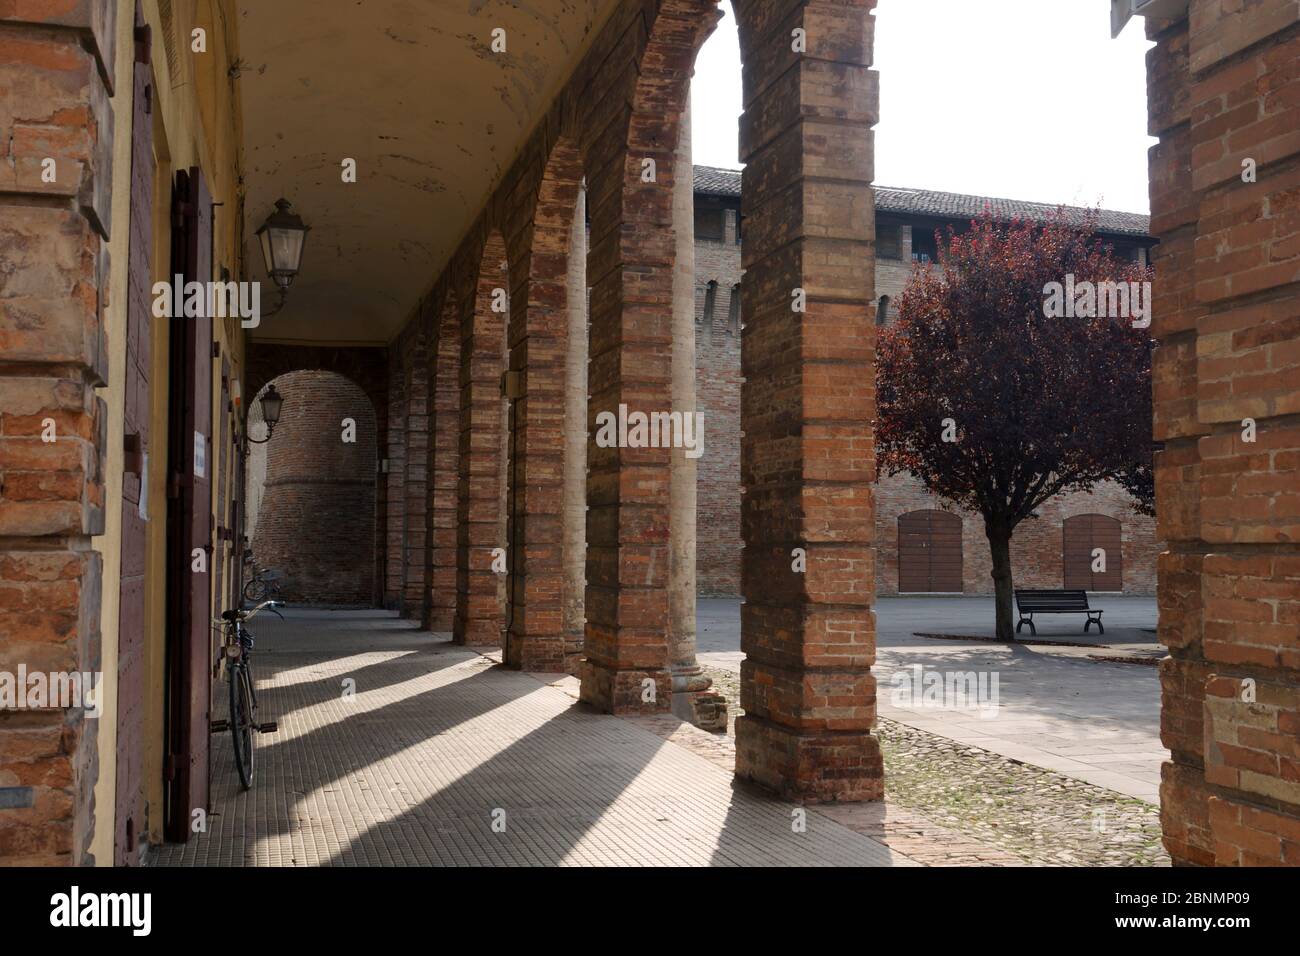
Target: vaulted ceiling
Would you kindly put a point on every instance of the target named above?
(414, 93)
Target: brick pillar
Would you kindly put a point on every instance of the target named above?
(807, 460)
(55, 74)
(630, 269)
(479, 612)
(444, 454)
(538, 354)
(395, 554)
(1222, 90)
(575, 439)
(417, 463)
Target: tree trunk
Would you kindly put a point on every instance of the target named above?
(1000, 546)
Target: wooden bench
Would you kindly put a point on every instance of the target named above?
(1030, 602)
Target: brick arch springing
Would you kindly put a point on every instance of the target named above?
(316, 519)
(538, 334)
(482, 460)
(443, 467)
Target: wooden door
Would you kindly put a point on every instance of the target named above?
(129, 807)
(929, 552)
(189, 514)
(1082, 535)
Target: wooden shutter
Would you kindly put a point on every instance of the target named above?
(929, 552)
(1080, 536)
(189, 508)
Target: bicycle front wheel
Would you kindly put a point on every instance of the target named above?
(255, 591)
(241, 724)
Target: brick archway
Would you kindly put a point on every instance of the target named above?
(631, 277)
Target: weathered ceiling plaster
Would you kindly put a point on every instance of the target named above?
(412, 90)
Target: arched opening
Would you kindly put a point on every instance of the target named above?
(312, 490)
(882, 311)
(1092, 552)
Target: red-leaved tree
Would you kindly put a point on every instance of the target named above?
(996, 406)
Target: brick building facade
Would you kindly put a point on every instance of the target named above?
(906, 222)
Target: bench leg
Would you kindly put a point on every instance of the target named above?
(1027, 620)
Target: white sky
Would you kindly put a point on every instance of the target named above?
(1018, 99)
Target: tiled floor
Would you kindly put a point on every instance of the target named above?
(413, 761)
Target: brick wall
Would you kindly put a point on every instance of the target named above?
(717, 363)
(317, 518)
(1223, 88)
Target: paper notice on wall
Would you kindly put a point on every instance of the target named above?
(143, 507)
(200, 456)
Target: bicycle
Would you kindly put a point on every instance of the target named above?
(263, 585)
(238, 652)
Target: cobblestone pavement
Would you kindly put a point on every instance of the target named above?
(1038, 816)
(437, 743)
(1090, 720)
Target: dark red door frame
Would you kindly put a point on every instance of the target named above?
(189, 519)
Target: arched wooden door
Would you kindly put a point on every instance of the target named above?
(1081, 536)
(929, 551)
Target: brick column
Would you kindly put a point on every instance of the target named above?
(56, 67)
(479, 617)
(538, 356)
(444, 454)
(417, 463)
(395, 555)
(1222, 91)
(807, 459)
(692, 699)
(575, 439)
(630, 268)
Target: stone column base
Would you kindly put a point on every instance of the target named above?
(705, 709)
(624, 691)
(809, 767)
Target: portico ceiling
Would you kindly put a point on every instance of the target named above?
(413, 91)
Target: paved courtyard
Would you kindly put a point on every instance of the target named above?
(396, 747)
(1056, 707)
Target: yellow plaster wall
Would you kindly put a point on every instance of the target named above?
(196, 123)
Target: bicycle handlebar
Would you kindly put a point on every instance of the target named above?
(235, 614)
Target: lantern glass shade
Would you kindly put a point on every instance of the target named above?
(282, 237)
(272, 403)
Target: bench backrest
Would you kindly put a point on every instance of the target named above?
(1039, 600)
